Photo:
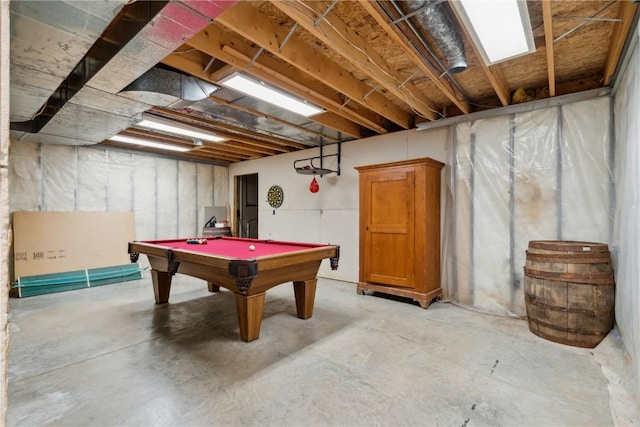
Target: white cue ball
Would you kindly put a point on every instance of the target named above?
(252, 248)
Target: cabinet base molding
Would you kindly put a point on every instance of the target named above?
(423, 299)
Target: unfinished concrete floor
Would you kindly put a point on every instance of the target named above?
(109, 356)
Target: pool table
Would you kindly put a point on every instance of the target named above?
(229, 262)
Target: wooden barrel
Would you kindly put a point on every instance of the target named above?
(569, 291)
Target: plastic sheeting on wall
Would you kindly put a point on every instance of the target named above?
(204, 176)
(92, 180)
(541, 175)
(59, 184)
(166, 195)
(25, 176)
(220, 192)
(626, 250)
(144, 196)
(187, 199)
(120, 181)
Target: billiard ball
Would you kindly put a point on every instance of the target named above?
(252, 248)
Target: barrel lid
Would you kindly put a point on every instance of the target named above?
(568, 245)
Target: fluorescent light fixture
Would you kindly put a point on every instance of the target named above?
(260, 90)
(147, 143)
(176, 128)
(501, 29)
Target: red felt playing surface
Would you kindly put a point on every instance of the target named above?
(237, 248)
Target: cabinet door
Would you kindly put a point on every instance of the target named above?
(389, 227)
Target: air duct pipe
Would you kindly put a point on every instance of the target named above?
(434, 18)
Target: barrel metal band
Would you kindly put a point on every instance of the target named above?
(605, 278)
(568, 246)
(535, 301)
(569, 330)
(587, 258)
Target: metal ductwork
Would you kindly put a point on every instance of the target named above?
(88, 106)
(434, 18)
(170, 85)
(126, 25)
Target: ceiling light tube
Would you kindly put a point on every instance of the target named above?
(170, 126)
(147, 143)
(500, 29)
(264, 92)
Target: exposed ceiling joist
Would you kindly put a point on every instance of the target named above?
(268, 117)
(278, 74)
(283, 44)
(233, 132)
(190, 65)
(494, 73)
(332, 31)
(626, 13)
(237, 53)
(548, 38)
(371, 67)
(376, 12)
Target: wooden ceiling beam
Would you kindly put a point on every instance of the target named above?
(202, 41)
(242, 147)
(225, 151)
(183, 63)
(250, 143)
(335, 33)
(548, 38)
(269, 117)
(198, 64)
(219, 147)
(626, 12)
(239, 148)
(294, 84)
(235, 132)
(221, 73)
(221, 160)
(194, 150)
(187, 63)
(271, 36)
(493, 73)
(235, 51)
(373, 8)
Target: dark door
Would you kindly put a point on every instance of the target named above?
(247, 206)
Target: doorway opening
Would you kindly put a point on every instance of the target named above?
(246, 202)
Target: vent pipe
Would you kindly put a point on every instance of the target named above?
(434, 18)
(162, 81)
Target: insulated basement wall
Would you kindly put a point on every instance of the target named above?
(540, 175)
(626, 255)
(167, 196)
(331, 214)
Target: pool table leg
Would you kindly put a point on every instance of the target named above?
(305, 292)
(249, 315)
(161, 285)
(212, 287)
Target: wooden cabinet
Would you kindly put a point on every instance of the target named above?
(400, 229)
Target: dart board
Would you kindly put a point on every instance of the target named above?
(275, 196)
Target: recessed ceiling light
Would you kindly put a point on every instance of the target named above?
(170, 126)
(264, 92)
(147, 143)
(501, 29)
